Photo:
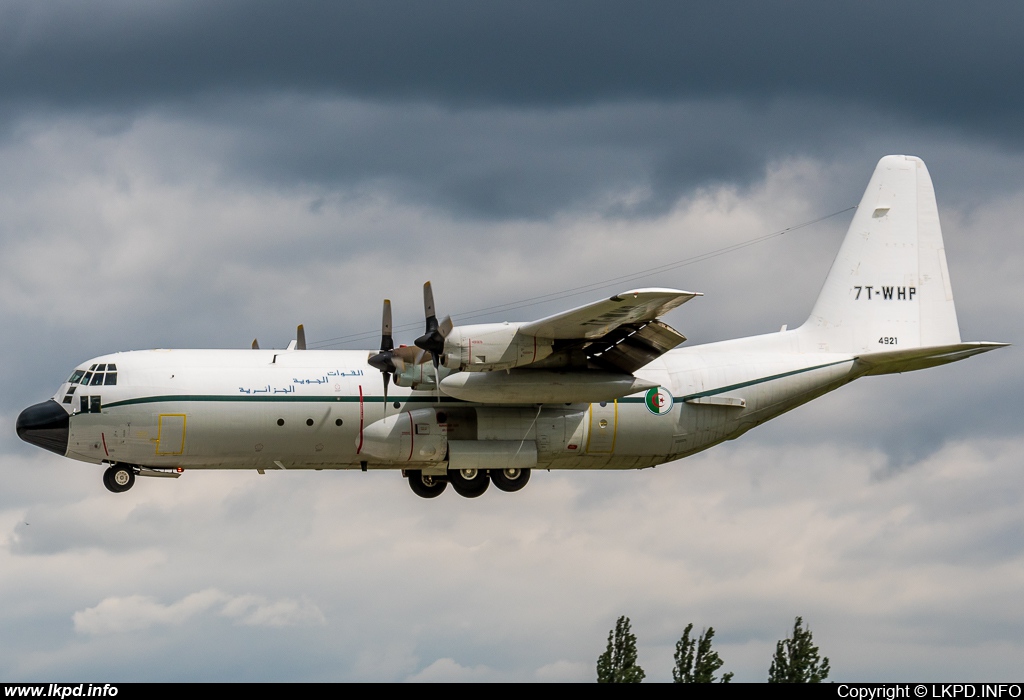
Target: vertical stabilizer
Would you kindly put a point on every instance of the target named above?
(889, 286)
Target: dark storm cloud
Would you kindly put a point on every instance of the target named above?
(494, 163)
(917, 58)
(518, 110)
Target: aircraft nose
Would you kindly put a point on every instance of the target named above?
(45, 425)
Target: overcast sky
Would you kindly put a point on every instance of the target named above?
(194, 174)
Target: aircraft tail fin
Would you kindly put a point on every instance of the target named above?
(889, 286)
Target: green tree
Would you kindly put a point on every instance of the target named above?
(797, 660)
(618, 663)
(695, 661)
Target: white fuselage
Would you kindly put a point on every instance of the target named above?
(274, 409)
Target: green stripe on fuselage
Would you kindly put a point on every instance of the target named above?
(279, 399)
(741, 385)
(427, 399)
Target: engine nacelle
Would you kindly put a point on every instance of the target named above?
(486, 347)
(419, 376)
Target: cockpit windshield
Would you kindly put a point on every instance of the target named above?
(97, 375)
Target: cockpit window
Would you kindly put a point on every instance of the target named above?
(100, 375)
(92, 368)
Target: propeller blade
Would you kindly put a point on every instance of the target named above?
(255, 344)
(433, 339)
(386, 342)
(385, 359)
(445, 327)
(300, 338)
(428, 300)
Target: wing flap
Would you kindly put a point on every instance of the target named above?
(630, 347)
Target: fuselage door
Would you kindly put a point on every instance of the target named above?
(171, 434)
(603, 424)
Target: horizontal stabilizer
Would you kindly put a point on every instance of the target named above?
(894, 361)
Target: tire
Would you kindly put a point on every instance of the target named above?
(510, 480)
(426, 486)
(469, 483)
(119, 478)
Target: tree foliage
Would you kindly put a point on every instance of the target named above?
(618, 663)
(695, 661)
(797, 660)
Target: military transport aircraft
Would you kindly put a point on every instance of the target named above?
(597, 387)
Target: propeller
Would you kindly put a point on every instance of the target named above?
(433, 340)
(385, 359)
(255, 344)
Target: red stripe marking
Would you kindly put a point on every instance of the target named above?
(359, 448)
(104, 439)
(412, 436)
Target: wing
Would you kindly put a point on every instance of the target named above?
(584, 354)
(602, 317)
(619, 334)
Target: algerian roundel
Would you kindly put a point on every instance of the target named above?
(658, 401)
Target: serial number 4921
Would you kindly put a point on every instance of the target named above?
(887, 340)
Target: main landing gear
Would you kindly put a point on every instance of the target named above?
(119, 478)
(468, 483)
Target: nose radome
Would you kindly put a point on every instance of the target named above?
(45, 425)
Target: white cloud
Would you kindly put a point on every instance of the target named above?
(137, 612)
(566, 672)
(257, 611)
(449, 671)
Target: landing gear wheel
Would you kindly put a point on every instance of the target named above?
(119, 478)
(469, 483)
(426, 485)
(510, 480)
